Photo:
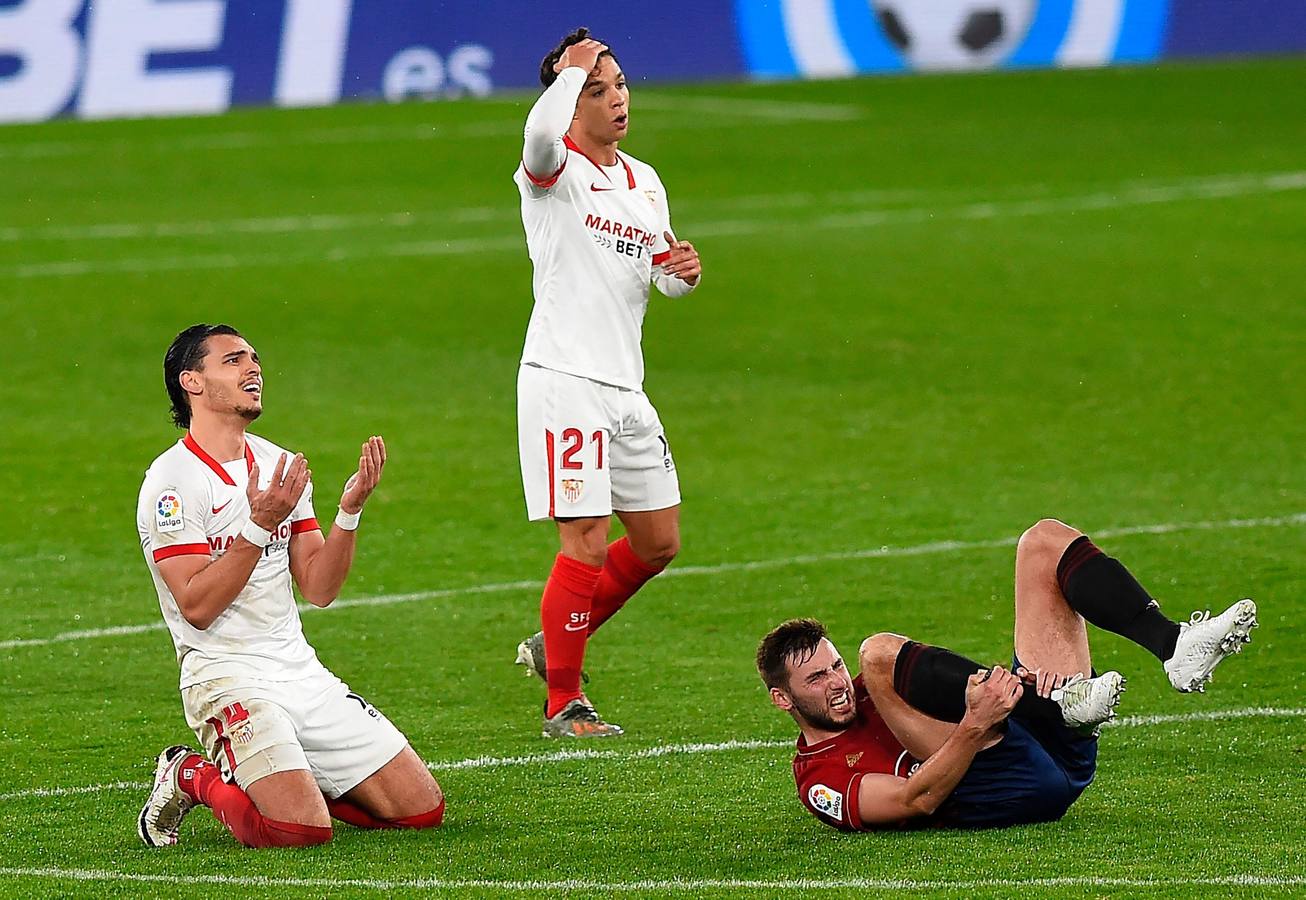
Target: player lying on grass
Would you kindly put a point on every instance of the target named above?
(226, 522)
(924, 736)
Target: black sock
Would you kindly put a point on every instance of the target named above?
(933, 680)
(1101, 590)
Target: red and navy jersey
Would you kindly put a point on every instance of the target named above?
(829, 773)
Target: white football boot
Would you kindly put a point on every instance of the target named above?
(1086, 703)
(1205, 640)
(161, 816)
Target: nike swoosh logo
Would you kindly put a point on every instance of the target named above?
(581, 627)
(596, 188)
(218, 509)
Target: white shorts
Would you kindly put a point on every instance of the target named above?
(589, 448)
(252, 729)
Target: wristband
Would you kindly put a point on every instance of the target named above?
(259, 537)
(348, 521)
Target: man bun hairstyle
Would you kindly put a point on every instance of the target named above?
(796, 639)
(186, 354)
(547, 75)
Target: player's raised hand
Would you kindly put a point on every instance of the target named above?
(583, 54)
(683, 262)
(361, 484)
(269, 507)
(991, 695)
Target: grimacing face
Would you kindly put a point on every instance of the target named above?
(231, 379)
(603, 109)
(820, 691)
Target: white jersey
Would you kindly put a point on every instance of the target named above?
(596, 238)
(191, 504)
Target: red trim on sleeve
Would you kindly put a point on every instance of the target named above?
(304, 525)
(852, 802)
(548, 451)
(660, 258)
(193, 446)
(544, 182)
(181, 550)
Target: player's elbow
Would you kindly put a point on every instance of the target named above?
(921, 803)
(196, 616)
(319, 598)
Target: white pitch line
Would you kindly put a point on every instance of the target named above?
(696, 113)
(656, 885)
(257, 225)
(884, 552)
(562, 756)
(327, 222)
(1130, 195)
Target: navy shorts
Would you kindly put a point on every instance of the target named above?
(1032, 775)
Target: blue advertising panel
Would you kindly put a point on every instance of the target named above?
(830, 38)
(103, 58)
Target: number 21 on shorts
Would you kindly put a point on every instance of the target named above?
(573, 443)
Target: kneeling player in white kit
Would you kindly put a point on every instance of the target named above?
(226, 521)
(598, 231)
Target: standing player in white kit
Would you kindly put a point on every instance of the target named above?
(226, 521)
(599, 232)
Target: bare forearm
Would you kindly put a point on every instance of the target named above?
(938, 776)
(208, 593)
(326, 572)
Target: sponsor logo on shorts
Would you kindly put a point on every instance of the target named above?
(238, 728)
(367, 707)
(167, 512)
(572, 488)
(826, 801)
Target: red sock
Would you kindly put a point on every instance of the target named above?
(624, 573)
(355, 815)
(564, 613)
(232, 807)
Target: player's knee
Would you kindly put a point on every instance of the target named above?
(879, 651)
(585, 540)
(660, 555)
(1046, 536)
(430, 819)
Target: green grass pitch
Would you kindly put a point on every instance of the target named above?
(934, 309)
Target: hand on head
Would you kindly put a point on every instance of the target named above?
(583, 54)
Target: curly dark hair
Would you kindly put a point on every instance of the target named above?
(796, 639)
(547, 75)
(186, 354)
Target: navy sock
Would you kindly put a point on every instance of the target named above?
(1101, 590)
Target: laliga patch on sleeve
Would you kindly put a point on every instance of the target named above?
(167, 512)
(826, 801)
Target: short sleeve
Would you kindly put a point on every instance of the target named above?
(302, 517)
(828, 792)
(177, 522)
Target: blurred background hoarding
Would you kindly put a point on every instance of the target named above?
(127, 58)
